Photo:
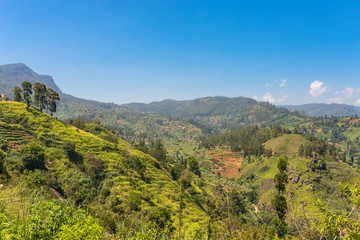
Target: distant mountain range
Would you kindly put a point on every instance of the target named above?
(322, 109)
(218, 112)
(229, 112)
(207, 106)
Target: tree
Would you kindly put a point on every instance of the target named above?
(39, 95)
(183, 182)
(26, 93)
(158, 151)
(279, 200)
(17, 94)
(51, 96)
(301, 150)
(194, 165)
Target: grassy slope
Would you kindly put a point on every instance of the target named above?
(305, 186)
(159, 185)
(286, 144)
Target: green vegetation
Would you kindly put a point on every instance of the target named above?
(279, 200)
(43, 96)
(66, 171)
(178, 179)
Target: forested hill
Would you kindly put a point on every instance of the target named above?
(206, 106)
(219, 112)
(322, 109)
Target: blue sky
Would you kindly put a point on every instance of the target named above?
(285, 52)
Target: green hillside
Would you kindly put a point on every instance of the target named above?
(314, 174)
(287, 144)
(107, 178)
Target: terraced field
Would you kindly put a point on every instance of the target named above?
(14, 137)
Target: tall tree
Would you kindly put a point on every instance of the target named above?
(51, 96)
(26, 93)
(158, 151)
(183, 182)
(17, 94)
(301, 150)
(279, 200)
(39, 95)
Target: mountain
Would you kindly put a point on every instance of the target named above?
(14, 74)
(322, 109)
(218, 112)
(206, 106)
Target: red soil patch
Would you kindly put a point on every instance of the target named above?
(354, 121)
(228, 162)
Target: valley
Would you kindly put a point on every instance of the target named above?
(199, 169)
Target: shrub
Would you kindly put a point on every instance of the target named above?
(160, 216)
(95, 168)
(33, 156)
(78, 187)
(134, 201)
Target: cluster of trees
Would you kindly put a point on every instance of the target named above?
(247, 140)
(44, 97)
(317, 147)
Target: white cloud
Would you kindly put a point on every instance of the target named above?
(255, 97)
(339, 100)
(347, 95)
(267, 85)
(350, 92)
(282, 99)
(317, 88)
(268, 98)
(283, 83)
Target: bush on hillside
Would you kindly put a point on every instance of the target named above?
(33, 156)
(160, 216)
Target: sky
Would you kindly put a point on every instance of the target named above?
(283, 52)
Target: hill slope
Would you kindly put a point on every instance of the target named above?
(111, 179)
